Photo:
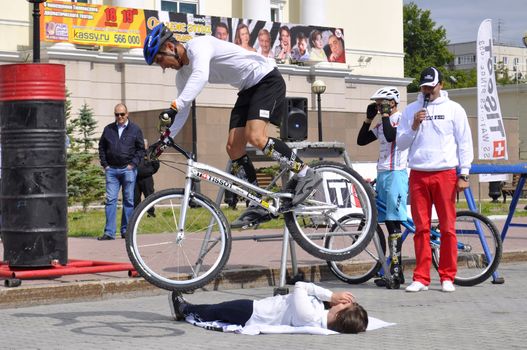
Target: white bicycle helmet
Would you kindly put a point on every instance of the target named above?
(386, 93)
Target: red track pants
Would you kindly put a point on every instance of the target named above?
(438, 188)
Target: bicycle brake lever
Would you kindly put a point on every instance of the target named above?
(161, 145)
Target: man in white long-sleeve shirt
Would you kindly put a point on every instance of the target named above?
(437, 133)
(261, 99)
(304, 307)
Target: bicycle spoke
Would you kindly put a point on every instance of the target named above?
(175, 257)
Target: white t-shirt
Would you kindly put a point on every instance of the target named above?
(304, 307)
(391, 157)
(218, 62)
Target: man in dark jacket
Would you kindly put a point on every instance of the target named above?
(121, 148)
(144, 184)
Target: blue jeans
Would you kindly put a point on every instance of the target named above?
(115, 178)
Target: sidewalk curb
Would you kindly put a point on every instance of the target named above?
(133, 287)
(106, 289)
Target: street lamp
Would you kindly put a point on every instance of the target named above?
(36, 29)
(319, 87)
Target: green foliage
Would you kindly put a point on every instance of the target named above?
(84, 127)
(424, 44)
(86, 182)
(488, 208)
(464, 79)
(502, 75)
(88, 223)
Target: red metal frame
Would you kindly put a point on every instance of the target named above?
(73, 267)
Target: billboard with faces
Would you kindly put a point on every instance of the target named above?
(286, 43)
(103, 25)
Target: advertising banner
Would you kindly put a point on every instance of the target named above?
(89, 24)
(492, 141)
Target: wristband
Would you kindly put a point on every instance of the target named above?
(465, 178)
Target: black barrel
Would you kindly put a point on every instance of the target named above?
(33, 193)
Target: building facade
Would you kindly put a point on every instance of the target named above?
(102, 77)
(509, 58)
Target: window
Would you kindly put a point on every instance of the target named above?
(169, 6)
(505, 60)
(179, 6)
(515, 61)
(188, 8)
(466, 59)
(277, 10)
(274, 15)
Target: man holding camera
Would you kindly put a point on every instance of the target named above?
(392, 177)
(436, 132)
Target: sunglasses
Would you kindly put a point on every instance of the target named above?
(119, 114)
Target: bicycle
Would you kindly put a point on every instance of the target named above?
(479, 250)
(188, 243)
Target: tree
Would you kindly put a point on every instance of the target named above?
(461, 79)
(424, 44)
(86, 182)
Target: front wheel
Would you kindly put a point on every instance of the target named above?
(479, 248)
(342, 192)
(173, 257)
(364, 266)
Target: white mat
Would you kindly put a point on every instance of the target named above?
(373, 323)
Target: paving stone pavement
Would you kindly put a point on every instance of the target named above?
(485, 316)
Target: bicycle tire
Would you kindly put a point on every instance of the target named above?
(473, 267)
(362, 267)
(345, 189)
(169, 260)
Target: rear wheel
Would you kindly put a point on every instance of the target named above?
(342, 192)
(176, 259)
(363, 266)
(479, 248)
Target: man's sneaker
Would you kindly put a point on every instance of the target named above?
(176, 302)
(251, 216)
(305, 186)
(416, 287)
(448, 286)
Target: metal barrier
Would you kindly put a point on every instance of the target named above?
(520, 168)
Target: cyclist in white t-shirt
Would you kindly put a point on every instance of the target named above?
(392, 177)
(261, 99)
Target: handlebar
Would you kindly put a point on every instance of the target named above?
(163, 143)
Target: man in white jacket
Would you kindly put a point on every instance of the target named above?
(435, 129)
(261, 100)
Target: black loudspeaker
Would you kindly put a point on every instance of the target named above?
(294, 123)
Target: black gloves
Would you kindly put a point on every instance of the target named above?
(166, 119)
(371, 111)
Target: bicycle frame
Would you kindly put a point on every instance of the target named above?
(227, 181)
(203, 172)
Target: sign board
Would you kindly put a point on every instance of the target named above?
(102, 25)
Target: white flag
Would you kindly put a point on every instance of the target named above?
(492, 141)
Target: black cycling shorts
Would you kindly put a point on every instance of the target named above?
(265, 101)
